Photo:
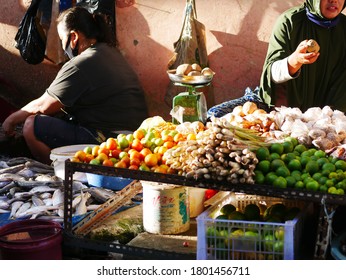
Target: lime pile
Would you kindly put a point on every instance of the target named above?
(293, 165)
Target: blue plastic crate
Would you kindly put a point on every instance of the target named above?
(108, 182)
(250, 240)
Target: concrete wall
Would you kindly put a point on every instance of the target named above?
(237, 33)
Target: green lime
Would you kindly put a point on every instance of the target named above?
(325, 172)
(299, 185)
(227, 209)
(282, 171)
(333, 159)
(277, 148)
(291, 181)
(280, 182)
(293, 140)
(320, 154)
(304, 160)
(288, 157)
(270, 177)
(288, 147)
(300, 148)
(276, 163)
(306, 154)
(262, 153)
(296, 174)
(312, 185)
(236, 215)
(329, 166)
(322, 161)
(252, 212)
(259, 177)
(340, 164)
(312, 167)
(274, 156)
(304, 176)
(322, 180)
(323, 188)
(263, 166)
(294, 164)
(317, 176)
(329, 183)
(278, 210)
(332, 190)
(340, 191)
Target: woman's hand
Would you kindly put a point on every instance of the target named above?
(300, 57)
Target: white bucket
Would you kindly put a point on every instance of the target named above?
(165, 208)
(196, 200)
(61, 154)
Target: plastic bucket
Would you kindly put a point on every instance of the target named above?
(109, 182)
(61, 154)
(31, 240)
(165, 208)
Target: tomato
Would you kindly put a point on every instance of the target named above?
(135, 161)
(88, 158)
(134, 167)
(167, 137)
(111, 143)
(103, 150)
(95, 150)
(169, 144)
(137, 145)
(102, 157)
(121, 164)
(145, 151)
(115, 153)
(107, 162)
(179, 137)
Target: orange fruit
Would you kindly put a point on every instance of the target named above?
(139, 133)
(115, 153)
(160, 169)
(169, 144)
(145, 152)
(80, 155)
(88, 158)
(103, 150)
(121, 164)
(135, 161)
(151, 160)
(102, 157)
(167, 137)
(133, 167)
(178, 137)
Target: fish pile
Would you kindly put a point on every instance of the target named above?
(29, 190)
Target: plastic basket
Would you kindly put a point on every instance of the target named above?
(250, 240)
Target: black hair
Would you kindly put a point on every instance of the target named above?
(93, 26)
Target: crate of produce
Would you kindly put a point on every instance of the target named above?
(255, 227)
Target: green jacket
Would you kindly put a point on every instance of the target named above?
(321, 83)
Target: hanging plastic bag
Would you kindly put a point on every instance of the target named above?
(30, 38)
(190, 47)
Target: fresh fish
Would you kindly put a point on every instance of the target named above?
(18, 160)
(37, 201)
(12, 191)
(57, 219)
(42, 189)
(26, 173)
(7, 188)
(36, 210)
(12, 169)
(12, 176)
(58, 197)
(48, 178)
(60, 212)
(48, 201)
(45, 195)
(31, 184)
(4, 205)
(77, 186)
(4, 182)
(24, 207)
(14, 207)
(92, 207)
(81, 208)
(4, 211)
(36, 165)
(100, 194)
(3, 164)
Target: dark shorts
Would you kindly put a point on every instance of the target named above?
(55, 132)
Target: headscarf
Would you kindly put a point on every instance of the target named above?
(318, 84)
(314, 14)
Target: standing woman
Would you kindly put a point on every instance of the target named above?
(309, 79)
(96, 91)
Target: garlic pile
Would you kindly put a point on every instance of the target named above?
(322, 127)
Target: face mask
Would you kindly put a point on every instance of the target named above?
(71, 53)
